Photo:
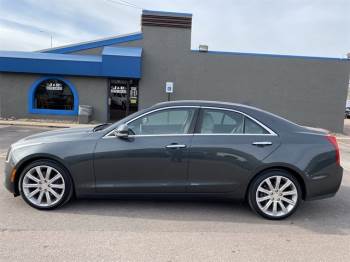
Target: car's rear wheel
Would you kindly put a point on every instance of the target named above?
(276, 194)
(45, 184)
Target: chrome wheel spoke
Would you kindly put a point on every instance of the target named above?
(33, 193)
(48, 198)
(48, 172)
(289, 201)
(38, 171)
(31, 177)
(263, 190)
(269, 184)
(59, 186)
(283, 207)
(40, 198)
(54, 178)
(274, 208)
(53, 192)
(287, 184)
(278, 182)
(30, 185)
(260, 199)
(268, 204)
(287, 193)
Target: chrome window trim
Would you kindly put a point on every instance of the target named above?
(226, 134)
(108, 135)
(270, 132)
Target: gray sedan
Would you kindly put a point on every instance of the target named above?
(181, 148)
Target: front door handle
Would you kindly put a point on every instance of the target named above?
(175, 146)
(262, 143)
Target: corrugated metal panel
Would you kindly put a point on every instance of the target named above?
(166, 21)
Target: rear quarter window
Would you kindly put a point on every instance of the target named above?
(251, 127)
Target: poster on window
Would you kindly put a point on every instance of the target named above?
(116, 89)
(54, 86)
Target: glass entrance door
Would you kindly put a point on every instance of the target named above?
(123, 98)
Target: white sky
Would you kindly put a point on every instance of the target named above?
(293, 27)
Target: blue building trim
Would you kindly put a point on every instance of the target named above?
(31, 97)
(114, 62)
(269, 55)
(94, 44)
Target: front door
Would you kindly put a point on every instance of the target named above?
(153, 159)
(123, 98)
(226, 149)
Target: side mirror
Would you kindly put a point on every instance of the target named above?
(122, 131)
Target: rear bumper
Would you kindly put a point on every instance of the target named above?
(324, 185)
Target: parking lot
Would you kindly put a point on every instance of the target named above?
(156, 230)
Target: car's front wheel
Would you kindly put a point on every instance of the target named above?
(276, 194)
(45, 185)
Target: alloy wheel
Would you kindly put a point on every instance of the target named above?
(43, 186)
(276, 196)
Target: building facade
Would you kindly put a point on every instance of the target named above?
(120, 75)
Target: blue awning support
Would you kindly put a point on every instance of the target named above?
(94, 44)
(114, 62)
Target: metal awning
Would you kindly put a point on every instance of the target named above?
(114, 62)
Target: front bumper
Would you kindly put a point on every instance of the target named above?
(9, 184)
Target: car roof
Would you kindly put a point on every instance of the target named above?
(199, 103)
(275, 122)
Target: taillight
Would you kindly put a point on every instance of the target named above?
(334, 142)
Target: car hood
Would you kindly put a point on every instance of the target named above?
(65, 134)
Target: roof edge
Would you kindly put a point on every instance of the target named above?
(164, 13)
(94, 44)
(269, 55)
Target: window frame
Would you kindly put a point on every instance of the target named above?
(190, 131)
(193, 130)
(199, 121)
(31, 98)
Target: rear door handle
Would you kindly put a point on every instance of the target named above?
(175, 146)
(262, 143)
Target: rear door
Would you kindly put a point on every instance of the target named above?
(226, 148)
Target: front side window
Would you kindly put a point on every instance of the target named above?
(53, 94)
(167, 121)
(216, 121)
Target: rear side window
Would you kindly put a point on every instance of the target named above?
(214, 121)
(217, 121)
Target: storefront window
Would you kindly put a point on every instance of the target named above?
(53, 94)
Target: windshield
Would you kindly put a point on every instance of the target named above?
(116, 124)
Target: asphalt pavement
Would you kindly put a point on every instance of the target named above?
(150, 230)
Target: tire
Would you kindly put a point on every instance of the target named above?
(53, 187)
(268, 201)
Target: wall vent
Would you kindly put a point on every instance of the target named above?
(166, 19)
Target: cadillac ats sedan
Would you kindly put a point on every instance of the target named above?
(181, 148)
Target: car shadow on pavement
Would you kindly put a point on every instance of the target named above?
(328, 216)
